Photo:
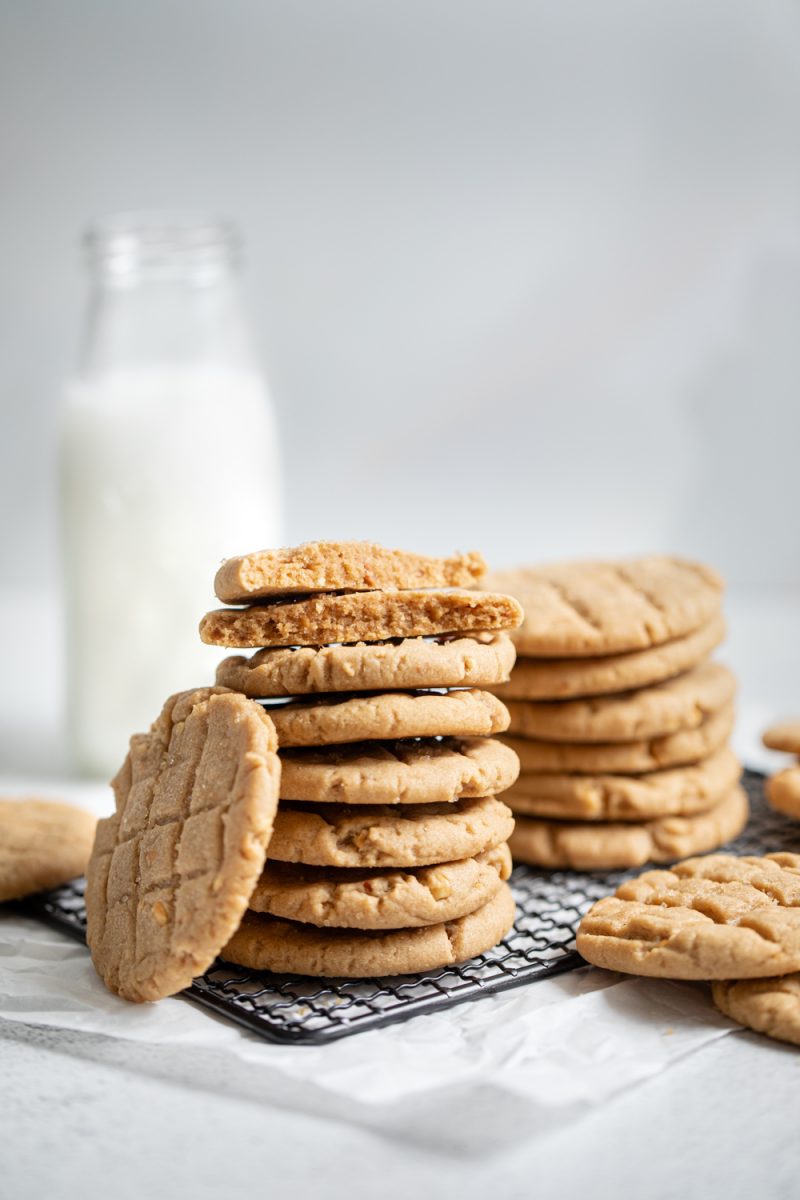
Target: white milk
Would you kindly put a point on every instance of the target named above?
(165, 471)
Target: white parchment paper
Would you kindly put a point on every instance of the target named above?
(538, 1055)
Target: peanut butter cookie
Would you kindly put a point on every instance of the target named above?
(590, 608)
(339, 566)
(359, 617)
(341, 835)
(769, 1006)
(413, 772)
(682, 703)
(783, 791)
(566, 678)
(365, 898)
(718, 917)
(172, 871)
(271, 944)
(626, 758)
(367, 667)
(389, 715)
(612, 847)
(682, 791)
(785, 736)
(43, 844)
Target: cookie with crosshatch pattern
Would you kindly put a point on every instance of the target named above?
(172, 870)
(716, 918)
(273, 944)
(579, 609)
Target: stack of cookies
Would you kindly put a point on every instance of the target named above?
(388, 852)
(620, 720)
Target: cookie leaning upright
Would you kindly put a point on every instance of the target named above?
(172, 870)
(618, 715)
(390, 850)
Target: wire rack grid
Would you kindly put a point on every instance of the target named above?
(304, 1011)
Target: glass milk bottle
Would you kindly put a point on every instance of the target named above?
(169, 462)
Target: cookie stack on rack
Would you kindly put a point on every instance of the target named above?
(388, 852)
(620, 720)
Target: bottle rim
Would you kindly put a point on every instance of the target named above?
(161, 241)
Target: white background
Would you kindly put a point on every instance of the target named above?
(526, 275)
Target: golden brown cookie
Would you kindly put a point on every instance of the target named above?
(783, 791)
(590, 608)
(423, 772)
(359, 617)
(338, 835)
(271, 944)
(682, 703)
(785, 736)
(612, 847)
(366, 667)
(327, 722)
(565, 678)
(718, 917)
(769, 1006)
(172, 871)
(43, 844)
(681, 791)
(364, 898)
(339, 566)
(626, 758)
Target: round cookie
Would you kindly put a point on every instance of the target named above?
(596, 608)
(360, 898)
(337, 566)
(389, 715)
(271, 944)
(785, 736)
(331, 835)
(679, 792)
(359, 617)
(783, 791)
(565, 678)
(612, 847)
(681, 703)
(364, 667)
(626, 758)
(43, 844)
(422, 772)
(769, 1006)
(718, 917)
(172, 870)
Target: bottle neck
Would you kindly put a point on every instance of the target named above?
(152, 249)
(164, 293)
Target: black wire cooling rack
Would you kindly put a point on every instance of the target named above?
(300, 1010)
